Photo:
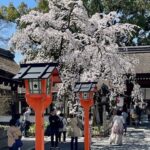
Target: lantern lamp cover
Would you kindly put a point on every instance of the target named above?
(85, 86)
(36, 71)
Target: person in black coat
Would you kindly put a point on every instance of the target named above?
(138, 112)
(54, 121)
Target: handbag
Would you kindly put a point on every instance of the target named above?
(134, 116)
(70, 132)
(79, 124)
(48, 131)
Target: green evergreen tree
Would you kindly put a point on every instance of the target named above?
(131, 11)
(43, 6)
(23, 9)
(3, 12)
(8, 15)
(12, 13)
(93, 6)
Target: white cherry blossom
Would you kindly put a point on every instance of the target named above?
(85, 47)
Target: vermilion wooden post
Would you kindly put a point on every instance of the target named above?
(86, 104)
(39, 102)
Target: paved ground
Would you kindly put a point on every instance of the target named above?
(29, 144)
(136, 139)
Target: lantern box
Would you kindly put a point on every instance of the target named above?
(85, 89)
(35, 74)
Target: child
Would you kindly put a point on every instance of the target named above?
(14, 136)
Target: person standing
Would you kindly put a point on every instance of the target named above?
(117, 129)
(26, 120)
(138, 112)
(90, 127)
(62, 131)
(75, 131)
(54, 121)
(148, 112)
(134, 118)
(125, 115)
(14, 136)
(16, 117)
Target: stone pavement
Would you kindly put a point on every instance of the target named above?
(136, 139)
(63, 146)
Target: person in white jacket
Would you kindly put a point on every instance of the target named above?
(75, 131)
(26, 121)
(117, 129)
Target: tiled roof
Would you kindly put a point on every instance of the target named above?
(36, 71)
(85, 86)
(7, 62)
(135, 49)
(7, 54)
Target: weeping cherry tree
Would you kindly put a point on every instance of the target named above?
(85, 47)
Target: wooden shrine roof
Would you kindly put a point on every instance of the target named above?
(7, 62)
(142, 53)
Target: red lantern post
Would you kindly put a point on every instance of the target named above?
(39, 80)
(86, 91)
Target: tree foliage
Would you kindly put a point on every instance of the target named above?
(134, 12)
(8, 16)
(3, 12)
(86, 47)
(23, 9)
(11, 13)
(43, 6)
(131, 11)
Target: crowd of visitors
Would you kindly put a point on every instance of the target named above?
(59, 127)
(56, 129)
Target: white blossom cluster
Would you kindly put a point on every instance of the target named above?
(137, 93)
(85, 47)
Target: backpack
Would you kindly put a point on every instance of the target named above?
(47, 131)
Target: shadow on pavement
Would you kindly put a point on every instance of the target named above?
(62, 146)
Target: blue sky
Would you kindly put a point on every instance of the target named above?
(31, 3)
(7, 32)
